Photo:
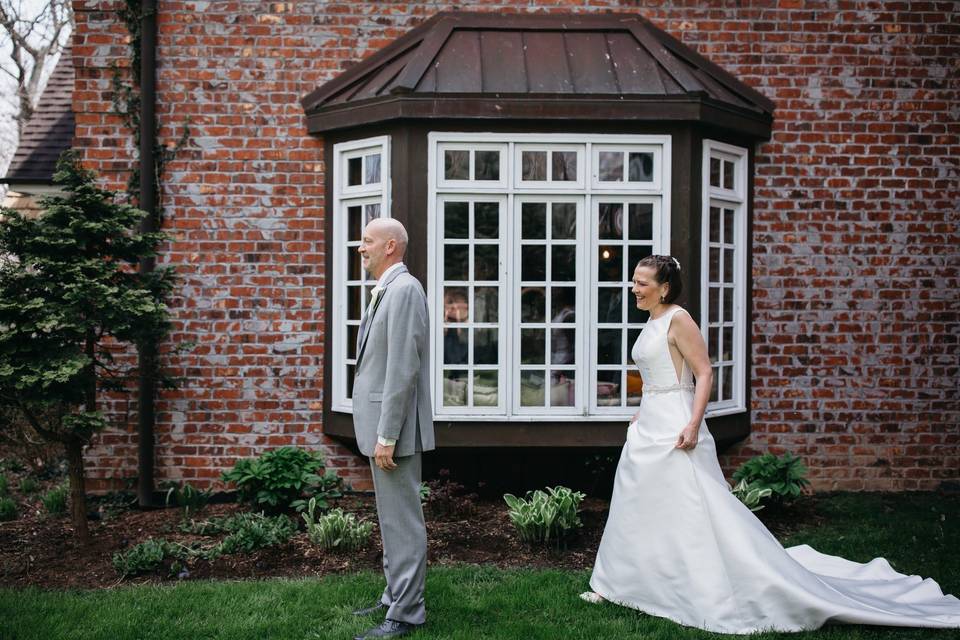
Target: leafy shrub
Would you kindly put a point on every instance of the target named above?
(448, 498)
(785, 476)
(28, 485)
(751, 495)
(55, 500)
(8, 509)
(250, 531)
(545, 516)
(337, 529)
(4, 485)
(280, 478)
(150, 556)
(187, 497)
(424, 493)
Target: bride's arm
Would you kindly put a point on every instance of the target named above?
(685, 334)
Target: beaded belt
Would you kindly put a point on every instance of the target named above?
(668, 388)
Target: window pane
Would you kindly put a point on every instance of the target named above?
(486, 217)
(564, 221)
(485, 346)
(638, 253)
(354, 224)
(372, 211)
(531, 388)
(714, 262)
(354, 265)
(564, 265)
(486, 302)
(564, 166)
(727, 347)
(727, 383)
(641, 221)
(533, 304)
(485, 388)
(713, 385)
(632, 336)
(714, 224)
(486, 262)
(563, 346)
(641, 167)
(533, 263)
(533, 165)
(354, 171)
(727, 174)
(456, 305)
(563, 304)
(728, 265)
(608, 388)
(611, 264)
(456, 164)
(486, 165)
(728, 227)
(611, 220)
(728, 304)
(456, 220)
(533, 221)
(635, 315)
(353, 332)
(455, 262)
(713, 343)
(354, 307)
(455, 388)
(532, 346)
(609, 305)
(371, 169)
(563, 388)
(714, 172)
(455, 346)
(634, 387)
(611, 166)
(609, 346)
(351, 372)
(714, 304)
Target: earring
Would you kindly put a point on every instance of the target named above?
(661, 300)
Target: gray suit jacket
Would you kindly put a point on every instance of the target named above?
(391, 391)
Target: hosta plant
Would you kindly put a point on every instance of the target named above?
(283, 478)
(785, 475)
(337, 529)
(751, 495)
(545, 516)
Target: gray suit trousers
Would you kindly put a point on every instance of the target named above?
(404, 536)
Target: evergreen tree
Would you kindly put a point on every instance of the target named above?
(71, 298)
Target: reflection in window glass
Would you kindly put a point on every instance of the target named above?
(611, 220)
(371, 166)
(641, 221)
(533, 263)
(564, 222)
(486, 302)
(486, 165)
(611, 166)
(564, 262)
(532, 346)
(727, 174)
(455, 262)
(610, 266)
(609, 305)
(486, 217)
(486, 262)
(354, 223)
(533, 166)
(456, 219)
(455, 345)
(485, 346)
(564, 166)
(533, 303)
(714, 172)
(609, 346)
(456, 164)
(640, 167)
(533, 220)
(563, 304)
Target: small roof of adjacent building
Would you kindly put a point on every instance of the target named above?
(50, 130)
(535, 66)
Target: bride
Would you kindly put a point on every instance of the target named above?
(679, 545)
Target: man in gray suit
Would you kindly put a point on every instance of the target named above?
(393, 420)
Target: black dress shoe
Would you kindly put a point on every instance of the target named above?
(368, 610)
(388, 629)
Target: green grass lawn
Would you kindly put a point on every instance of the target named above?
(917, 532)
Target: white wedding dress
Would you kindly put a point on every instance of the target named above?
(679, 545)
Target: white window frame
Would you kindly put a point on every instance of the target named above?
(345, 196)
(735, 199)
(659, 189)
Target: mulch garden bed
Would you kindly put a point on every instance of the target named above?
(40, 550)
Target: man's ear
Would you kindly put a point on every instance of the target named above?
(390, 247)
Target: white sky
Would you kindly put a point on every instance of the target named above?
(8, 87)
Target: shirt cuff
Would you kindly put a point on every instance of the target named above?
(386, 442)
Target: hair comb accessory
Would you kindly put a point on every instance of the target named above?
(676, 263)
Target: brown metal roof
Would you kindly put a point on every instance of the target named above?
(492, 65)
(49, 131)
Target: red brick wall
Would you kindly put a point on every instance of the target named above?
(856, 230)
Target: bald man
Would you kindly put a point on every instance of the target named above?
(393, 421)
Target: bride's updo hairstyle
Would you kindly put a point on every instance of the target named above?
(666, 269)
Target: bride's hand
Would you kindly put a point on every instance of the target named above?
(688, 437)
